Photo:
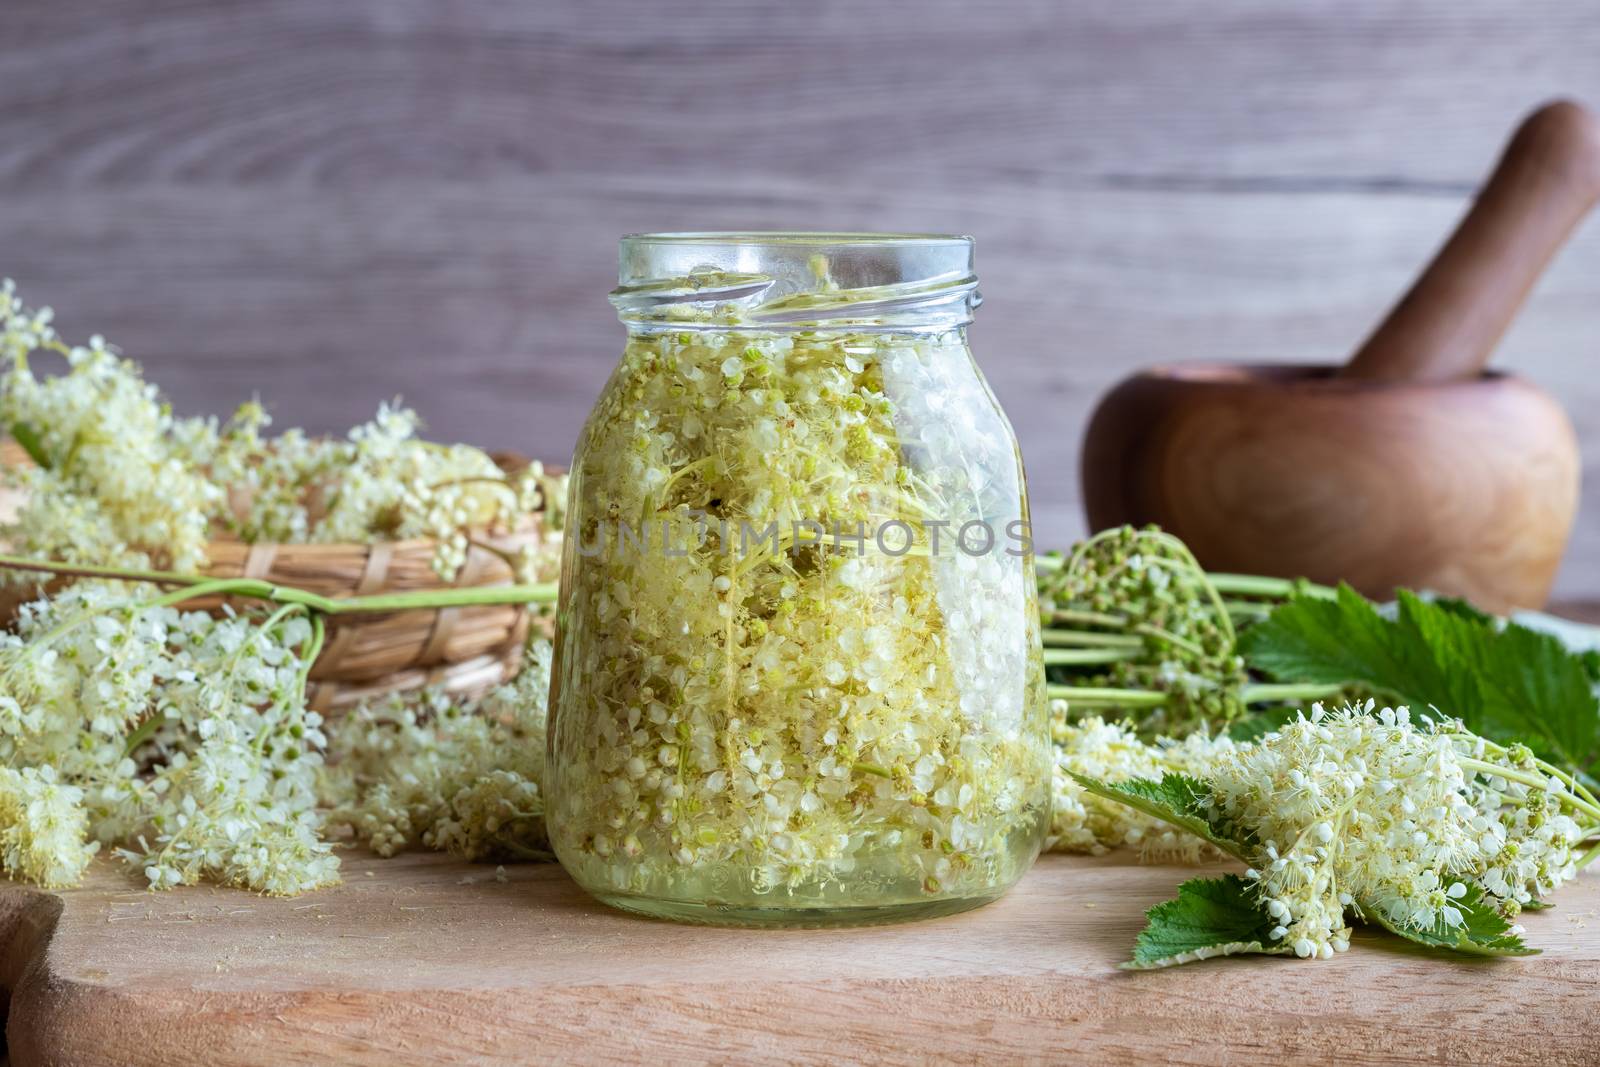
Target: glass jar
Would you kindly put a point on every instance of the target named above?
(798, 676)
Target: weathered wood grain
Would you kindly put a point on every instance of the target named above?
(427, 961)
(1367, 93)
(336, 203)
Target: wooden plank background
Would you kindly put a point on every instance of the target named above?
(331, 203)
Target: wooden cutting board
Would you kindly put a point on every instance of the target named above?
(422, 959)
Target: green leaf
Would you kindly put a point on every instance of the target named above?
(1210, 917)
(1258, 724)
(28, 438)
(1465, 608)
(1590, 658)
(1510, 684)
(1341, 641)
(1517, 684)
(1177, 799)
(1485, 931)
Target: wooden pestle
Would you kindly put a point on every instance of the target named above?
(1408, 467)
(1448, 324)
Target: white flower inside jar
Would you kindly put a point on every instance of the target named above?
(798, 676)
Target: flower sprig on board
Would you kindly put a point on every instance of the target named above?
(1423, 828)
(179, 738)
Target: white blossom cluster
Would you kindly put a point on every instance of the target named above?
(120, 481)
(1352, 810)
(180, 738)
(459, 777)
(44, 832)
(381, 483)
(1358, 812)
(792, 725)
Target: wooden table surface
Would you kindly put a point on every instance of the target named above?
(422, 959)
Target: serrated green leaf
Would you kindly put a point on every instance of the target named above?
(1340, 641)
(1464, 608)
(1210, 917)
(1516, 684)
(1485, 931)
(1510, 684)
(1176, 799)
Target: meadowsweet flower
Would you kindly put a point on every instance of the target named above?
(1353, 810)
(1354, 813)
(120, 481)
(43, 827)
(464, 778)
(178, 737)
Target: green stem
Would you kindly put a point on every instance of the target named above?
(1098, 697)
(1088, 618)
(142, 733)
(265, 630)
(1272, 588)
(1071, 657)
(1224, 620)
(1171, 638)
(215, 587)
(1252, 585)
(196, 586)
(1532, 781)
(1588, 857)
(91, 570)
(1571, 783)
(308, 657)
(1091, 640)
(1264, 692)
(538, 593)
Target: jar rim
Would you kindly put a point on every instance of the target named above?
(796, 237)
(796, 280)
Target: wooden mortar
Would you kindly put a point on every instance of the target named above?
(1409, 466)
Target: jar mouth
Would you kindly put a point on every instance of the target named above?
(796, 237)
(790, 280)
